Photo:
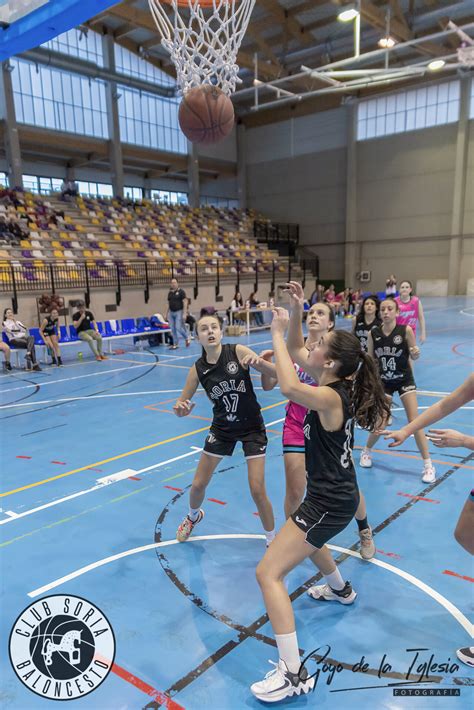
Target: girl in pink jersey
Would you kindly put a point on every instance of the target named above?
(410, 309)
(320, 321)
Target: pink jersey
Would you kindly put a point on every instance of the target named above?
(409, 312)
(295, 414)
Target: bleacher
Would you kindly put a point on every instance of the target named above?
(102, 233)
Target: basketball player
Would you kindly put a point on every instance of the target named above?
(367, 319)
(320, 321)
(346, 375)
(410, 310)
(49, 331)
(464, 532)
(236, 417)
(392, 346)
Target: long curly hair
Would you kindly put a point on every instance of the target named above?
(370, 404)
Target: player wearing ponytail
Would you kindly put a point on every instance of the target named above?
(349, 391)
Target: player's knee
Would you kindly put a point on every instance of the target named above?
(262, 573)
(465, 537)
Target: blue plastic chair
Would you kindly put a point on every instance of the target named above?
(64, 335)
(128, 326)
(73, 333)
(35, 332)
(108, 328)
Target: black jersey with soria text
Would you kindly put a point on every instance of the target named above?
(362, 330)
(330, 472)
(229, 387)
(392, 353)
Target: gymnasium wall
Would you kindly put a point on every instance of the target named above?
(296, 172)
(404, 194)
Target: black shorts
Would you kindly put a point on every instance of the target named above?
(321, 525)
(254, 443)
(407, 384)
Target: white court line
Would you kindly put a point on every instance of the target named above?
(91, 396)
(97, 487)
(453, 610)
(402, 409)
(464, 313)
(105, 481)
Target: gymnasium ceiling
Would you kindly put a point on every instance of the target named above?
(286, 34)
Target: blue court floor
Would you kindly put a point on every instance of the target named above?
(189, 620)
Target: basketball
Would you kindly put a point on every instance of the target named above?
(206, 115)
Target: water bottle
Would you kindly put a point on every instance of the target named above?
(80, 355)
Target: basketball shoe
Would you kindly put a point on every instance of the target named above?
(187, 526)
(325, 593)
(280, 683)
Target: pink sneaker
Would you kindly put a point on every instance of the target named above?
(187, 526)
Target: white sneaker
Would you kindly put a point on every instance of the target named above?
(325, 593)
(366, 459)
(466, 655)
(429, 474)
(367, 545)
(280, 683)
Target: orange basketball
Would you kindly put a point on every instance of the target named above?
(206, 114)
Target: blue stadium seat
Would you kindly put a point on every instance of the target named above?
(72, 333)
(36, 335)
(128, 326)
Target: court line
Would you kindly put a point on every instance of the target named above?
(439, 598)
(120, 456)
(91, 396)
(398, 454)
(195, 450)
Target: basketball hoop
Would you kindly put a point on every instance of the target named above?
(203, 38)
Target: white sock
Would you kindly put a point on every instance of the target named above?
(270, 535)
(427, 462)
(288, 651)
(366, 450)
(193, 514)
(335, 580)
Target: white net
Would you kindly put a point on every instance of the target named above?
(203, 39)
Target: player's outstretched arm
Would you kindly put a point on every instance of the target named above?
(183, 405)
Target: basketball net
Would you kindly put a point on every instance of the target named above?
(203, 38)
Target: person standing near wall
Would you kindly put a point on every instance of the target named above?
(177, 313)
(391, 286)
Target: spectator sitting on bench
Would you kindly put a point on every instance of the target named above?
(87, 330)
(17, 335)
(6, 354)
(50, 333)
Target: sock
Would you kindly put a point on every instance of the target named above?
(193, 514)
(288, 651)
(335, 580)
(366, 450)
(270, 535)
(427, 462)
(362, 524)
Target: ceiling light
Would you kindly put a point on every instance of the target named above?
(386, 42)
(436, 64)
(350, 13)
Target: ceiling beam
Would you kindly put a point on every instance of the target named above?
(305, 6)
(294, 28)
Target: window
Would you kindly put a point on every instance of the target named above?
(133, 193)
(78, 42)
(149, 120)
(128, 63)
(226, 202)
(95, 189)
(76, 105)
(432, 105)
(30, 183)
(3, 179)
(169, 197)
(40, 184)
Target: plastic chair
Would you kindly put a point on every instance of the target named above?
(35, 332)
(128, 325)
(73, 333)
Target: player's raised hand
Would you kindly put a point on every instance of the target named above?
(296, 292)
(280, 320)
(267, 355)
(183, 407)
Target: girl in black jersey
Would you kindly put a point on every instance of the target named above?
(49, 331)
(392, 346)
(349, 390)
(222, 372)
(367, 319)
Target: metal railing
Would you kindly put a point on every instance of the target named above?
(276, 232)
(20, 277)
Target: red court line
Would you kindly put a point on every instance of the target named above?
(389, 554)
(145, 688)
(172, 488)
(214, 500)
(459, 576)
(62, 463)
(418, 458)
(23, 457)
(99, 470)
(428, 500)
(134, 478)
(455, 349)
(257, 514)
